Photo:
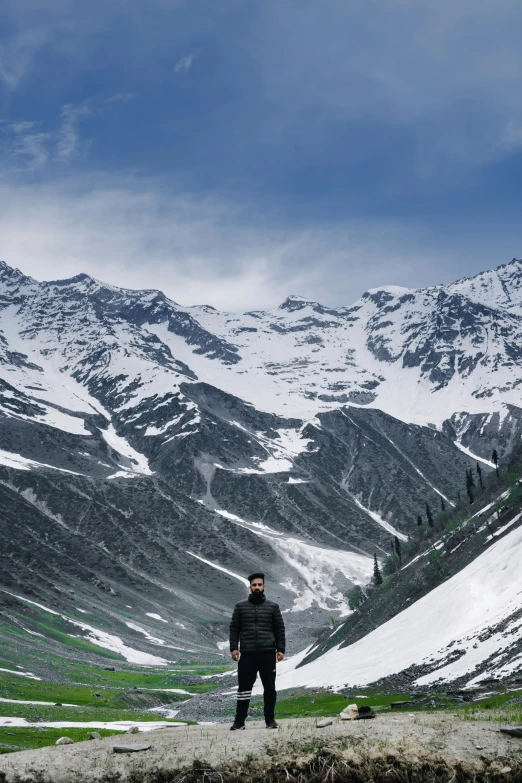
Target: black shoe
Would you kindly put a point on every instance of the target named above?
(271, 724)
(237, 725)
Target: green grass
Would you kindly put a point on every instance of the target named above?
(13, 739)
(495, 708)
(327, 704)
(83, 695)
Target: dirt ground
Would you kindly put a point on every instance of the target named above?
(439, 735)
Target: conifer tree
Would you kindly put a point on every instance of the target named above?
(479, 474)
(442, 504)
(398, 550)
(429, 516)
(469, 484)
(377, 576)
(494, 457)
(419, 521)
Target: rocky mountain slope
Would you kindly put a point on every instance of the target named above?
(151, 455)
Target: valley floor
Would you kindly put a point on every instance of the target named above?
(433, 745)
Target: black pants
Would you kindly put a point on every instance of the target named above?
(249, 665)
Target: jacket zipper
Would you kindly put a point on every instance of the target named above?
(257, 641)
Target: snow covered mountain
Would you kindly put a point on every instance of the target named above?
(152, 454)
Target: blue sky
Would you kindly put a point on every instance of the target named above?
(235, 151)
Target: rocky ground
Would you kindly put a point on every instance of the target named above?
(426, 743)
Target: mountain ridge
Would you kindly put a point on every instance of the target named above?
(204, 444)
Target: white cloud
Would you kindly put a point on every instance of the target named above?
(68, 134)
(131, 233)
(16, 56)
(184, 64)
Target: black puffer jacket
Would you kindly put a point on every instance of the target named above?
(257, 626)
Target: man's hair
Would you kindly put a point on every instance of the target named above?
(257, 575)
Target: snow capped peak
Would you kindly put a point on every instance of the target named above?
(295, 302)
(393, 290)
(11, 274)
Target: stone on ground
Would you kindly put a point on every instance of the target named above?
(130, 748)
(321, 724)
(64, 741)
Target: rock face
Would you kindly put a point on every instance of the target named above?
(152, 455)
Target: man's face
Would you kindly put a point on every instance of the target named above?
(257, 586)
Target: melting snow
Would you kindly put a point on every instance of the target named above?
(119, 725)
(29, 675)
(318, 567)
(16, 461)
(380, 521)
(119, 444)
(104, 639)
(220, 568)
(156, 617)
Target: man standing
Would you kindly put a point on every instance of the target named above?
(257, 631)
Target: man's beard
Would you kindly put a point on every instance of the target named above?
(257, 595)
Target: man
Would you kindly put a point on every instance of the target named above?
(257, 639)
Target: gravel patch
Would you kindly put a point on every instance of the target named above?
(215, 747)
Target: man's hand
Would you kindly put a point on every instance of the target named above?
(280, 656)
(235, 655)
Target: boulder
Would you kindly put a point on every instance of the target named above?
(350, 712)
(364, 713)
(64, 741)
(130, 748)
(94, 735)
(132, 730)
(321, 724)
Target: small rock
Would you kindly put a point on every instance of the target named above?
(130, 748)
(505, 770)
(97, 695)
(109, 668)
(94, 735)
(58, 704)
(64, 741)
(132, 730)
(324, 722)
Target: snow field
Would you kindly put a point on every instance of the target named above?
(453, 616)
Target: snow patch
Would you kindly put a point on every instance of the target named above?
(139, 461)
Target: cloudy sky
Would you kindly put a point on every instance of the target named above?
(232, 152)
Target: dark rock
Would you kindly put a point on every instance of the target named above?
(130, 748)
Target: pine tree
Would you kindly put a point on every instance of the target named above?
(419, 521)
(442, 504)
(494, 457)
(469, 485)
(429, 516)
(398, 549)
(377, 576)
(479, 474)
